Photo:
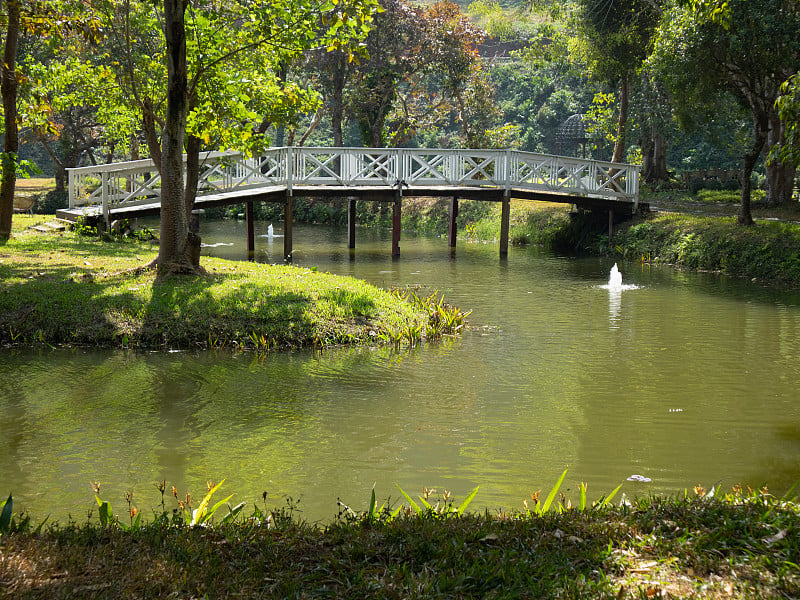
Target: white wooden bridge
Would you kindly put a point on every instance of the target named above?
(130, 189)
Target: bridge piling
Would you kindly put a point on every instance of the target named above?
(288, 217)
(453, 229)
(351, 223)
(396, 222)
(505, 217)
(251, 233)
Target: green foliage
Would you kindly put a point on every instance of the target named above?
(788, 106)
(443, 507)
(497, 22)
(743, 543)
(618, 36)
(443, 319)
(5, 515)
(203, 513)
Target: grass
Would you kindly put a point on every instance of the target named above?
(743, 545)
(65, 288)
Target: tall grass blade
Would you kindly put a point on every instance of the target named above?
(216, 507)
(394, 513)
(39, 527)
(610, 497)
(199, 515)
(5, 516)
(232, 513)
(788, 495)
(425, 503)
(551, 496)
(413, 504)
(463, 506)
(582, 500)
(373, 505)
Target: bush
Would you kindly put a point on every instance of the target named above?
(49, 203)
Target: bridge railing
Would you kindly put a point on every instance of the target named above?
(139, 183)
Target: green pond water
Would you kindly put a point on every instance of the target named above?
(683, 380)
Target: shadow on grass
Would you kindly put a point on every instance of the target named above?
(61, 303)
(184, 312)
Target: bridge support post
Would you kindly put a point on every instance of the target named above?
(287, 228)
(396, 222)
(351, 223)
(453, 230)
(505, 217)
(610, 224)
(251, 229)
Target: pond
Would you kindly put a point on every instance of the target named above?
(681, 379)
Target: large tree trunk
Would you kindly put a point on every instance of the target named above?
(337, 100)
(622, 123)
(8, 88)
(654, 158)
(175, 251)
(760, 124)
(780, 175)
(660, 171)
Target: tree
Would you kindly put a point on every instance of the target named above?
(618, 36)
(748, 50)
(207, 75)
(54, 19)
(423, 70)
(60, 106)
(8, 87)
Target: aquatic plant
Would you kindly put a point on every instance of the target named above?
(443, 507)
(443, 318)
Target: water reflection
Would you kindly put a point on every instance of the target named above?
(614, 306)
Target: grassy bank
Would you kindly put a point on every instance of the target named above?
(66, 288)
(741, 545)
(696, 232)
(768, 251)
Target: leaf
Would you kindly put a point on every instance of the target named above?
(551, 496)
(372, 504)
(582, 501)
(608, 498)
(216, 506)
(463, 506)
(232, 513)
(413, 504)
(104, 512)
(199, 513)
(5, 516)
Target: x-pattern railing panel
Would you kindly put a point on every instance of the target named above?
(372, 167)
(138, 182)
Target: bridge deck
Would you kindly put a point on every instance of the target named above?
(371, 193)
